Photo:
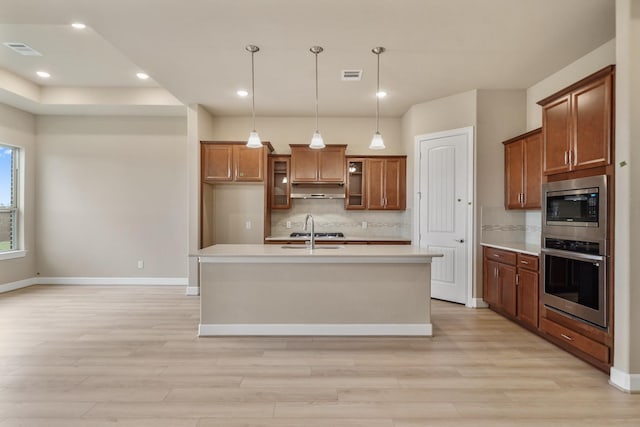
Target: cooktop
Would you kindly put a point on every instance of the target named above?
(303, 234)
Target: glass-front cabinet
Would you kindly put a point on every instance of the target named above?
(280, 167)
(356, 191)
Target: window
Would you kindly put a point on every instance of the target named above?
(8, 198)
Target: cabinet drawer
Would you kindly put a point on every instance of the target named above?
(499, 255)
(576, 340)
(529, 262)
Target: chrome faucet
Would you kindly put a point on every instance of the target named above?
(312, 241)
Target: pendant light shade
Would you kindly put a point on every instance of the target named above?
(316, 139)
(377, 143)
(254, 138)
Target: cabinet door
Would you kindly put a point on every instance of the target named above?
(355, 194)
(532, 173)
(514, 174)
(217, 162)
(528, 296)
(248, 163)
(375, 183)
(592, 125)
(279, 186)
(331, 164)
(508, 293)
(395, 188)
(556, 125)
(304, 164)
(490, 285)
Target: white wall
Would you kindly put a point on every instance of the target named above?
(500, 116)
(19, 128)
(282, 131)
(588, 64)
(111, 191)
(626, 366)
(235, 206)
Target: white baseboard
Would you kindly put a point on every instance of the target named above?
(104, 281)
(131, 281)
(12, 286)
(420, 329)
(193, 290)
(624, 381)
(477, 303)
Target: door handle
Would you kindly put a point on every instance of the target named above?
(459, 240)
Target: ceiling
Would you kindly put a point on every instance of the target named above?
(195, 51)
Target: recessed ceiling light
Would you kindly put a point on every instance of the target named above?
(142, 76)
(78, 25)
(43, 74)
(381, 94)
(242, 93)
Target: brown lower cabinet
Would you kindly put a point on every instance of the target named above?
(589, 343)
(510, 285)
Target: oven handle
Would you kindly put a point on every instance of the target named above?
(573, 255)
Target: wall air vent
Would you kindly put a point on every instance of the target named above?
(22, 49)
(351, 75)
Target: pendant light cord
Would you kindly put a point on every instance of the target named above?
(316, 55)
(253, 96)
(378, 97)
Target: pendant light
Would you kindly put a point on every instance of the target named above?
(316, 139)
(377, 143)
(254, 138)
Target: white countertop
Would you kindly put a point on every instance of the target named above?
(328, 254)
(525, 248)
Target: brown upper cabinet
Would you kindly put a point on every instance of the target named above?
(326, 165)
(523, 171)
(233, 161)
(386, 182)
(577, 124)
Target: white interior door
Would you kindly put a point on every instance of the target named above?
(444, 209)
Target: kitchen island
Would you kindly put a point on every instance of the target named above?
(330, 290)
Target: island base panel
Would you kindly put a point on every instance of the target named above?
(315, 299)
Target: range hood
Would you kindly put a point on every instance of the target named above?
(318, 191)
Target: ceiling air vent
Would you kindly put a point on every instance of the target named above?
(351, 75)
(22, 49)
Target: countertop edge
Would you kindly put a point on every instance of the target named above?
(523, 248)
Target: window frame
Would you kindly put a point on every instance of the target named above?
(14, 207)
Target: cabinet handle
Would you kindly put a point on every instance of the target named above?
(524, 262)
(566, 337)
(496, 255)
(517, 279)
(566, 157)
(571, 159)
(497, 273)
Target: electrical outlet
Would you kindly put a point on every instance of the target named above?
(364, 224)
(140, 264)
(247, 225)
(288, 224)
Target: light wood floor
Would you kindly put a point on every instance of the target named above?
(129, 356)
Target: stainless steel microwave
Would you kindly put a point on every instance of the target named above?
(575, 208)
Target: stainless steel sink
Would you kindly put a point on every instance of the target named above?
(307, 247)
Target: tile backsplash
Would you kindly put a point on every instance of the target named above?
(501, 225)
(330, 215)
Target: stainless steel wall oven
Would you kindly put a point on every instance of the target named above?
(575, 248)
